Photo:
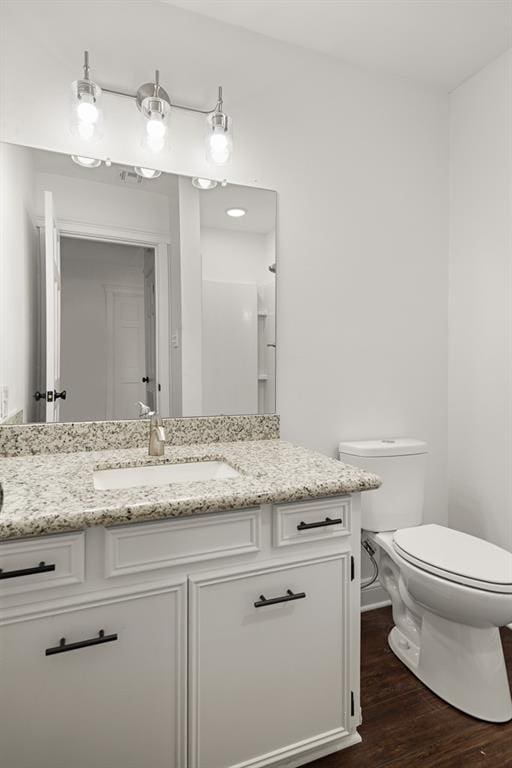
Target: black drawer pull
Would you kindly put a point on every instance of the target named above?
(63, 647)
(41, 568)
(283, 599)
(321, 524)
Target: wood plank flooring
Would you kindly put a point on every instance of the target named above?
(406, 726)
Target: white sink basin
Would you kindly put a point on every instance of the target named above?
(162, 474)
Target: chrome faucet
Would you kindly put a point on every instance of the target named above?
(156, 436)
(156, 429)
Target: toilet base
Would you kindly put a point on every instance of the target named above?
(462, 665)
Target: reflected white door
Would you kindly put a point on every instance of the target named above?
(53, 309)
(125, 351)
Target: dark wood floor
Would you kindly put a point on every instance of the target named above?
(406, 726)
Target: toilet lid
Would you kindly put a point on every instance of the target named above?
(456, 556)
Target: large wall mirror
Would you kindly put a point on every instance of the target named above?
(117, 289)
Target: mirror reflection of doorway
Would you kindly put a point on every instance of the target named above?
(108, 355)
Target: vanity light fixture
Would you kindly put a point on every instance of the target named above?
(200, 183)
(155, 106)
(86, 162)
(236, 213)
(86, 112)
(147, 173)
(219, 141)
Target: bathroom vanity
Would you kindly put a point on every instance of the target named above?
(201, 623)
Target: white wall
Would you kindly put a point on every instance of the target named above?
(18, 269)
(480, 400)
(191, 299)
(235, 257)
(362, 182)
(104, 204)
(87, 267)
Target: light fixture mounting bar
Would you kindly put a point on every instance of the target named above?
(199, 111)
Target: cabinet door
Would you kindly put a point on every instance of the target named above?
(268, 678)
(113, 703)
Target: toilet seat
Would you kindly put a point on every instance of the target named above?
(456, 556)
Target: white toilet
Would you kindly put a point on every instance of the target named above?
(449, 591)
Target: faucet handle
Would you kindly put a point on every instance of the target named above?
(144, 410)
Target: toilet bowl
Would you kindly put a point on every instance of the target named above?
(446, 631)
(450, 592)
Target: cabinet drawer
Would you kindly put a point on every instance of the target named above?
(39, 563)
(317, 520)
(285, 656)
(147, 546)
(110, 701)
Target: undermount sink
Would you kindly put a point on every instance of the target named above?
(162, 474)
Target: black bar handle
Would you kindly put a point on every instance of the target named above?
(283, 599)
(321, 524)
(41, 568)
(64, 647)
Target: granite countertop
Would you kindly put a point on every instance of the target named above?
(53, 493)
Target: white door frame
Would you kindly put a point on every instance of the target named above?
(159, 241)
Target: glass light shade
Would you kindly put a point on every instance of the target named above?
(86, 162)
(147, 173)
(219, 139)
(201, 183)
(155, 129)
(86, 120)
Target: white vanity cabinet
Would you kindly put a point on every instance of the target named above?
(268, 665)
(100, 686)
(224, 640)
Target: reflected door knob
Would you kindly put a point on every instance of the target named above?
(145, 379)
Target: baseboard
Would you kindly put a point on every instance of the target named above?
(374, 597)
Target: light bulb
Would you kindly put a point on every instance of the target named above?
(219, 142)
(87, 110)
(218, 149)
(155, 126)
(236, 213)
(155, 112)
(86, 114)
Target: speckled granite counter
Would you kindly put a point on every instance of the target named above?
(52, 493)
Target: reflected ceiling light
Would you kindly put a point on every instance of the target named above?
(86, 113)
(147, 173)
(86, 162)
(200, 183)
(155, 106)
(219, 141)
(236, 213)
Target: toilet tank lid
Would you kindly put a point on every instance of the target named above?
(398, 446)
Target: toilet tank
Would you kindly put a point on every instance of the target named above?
(401, 465)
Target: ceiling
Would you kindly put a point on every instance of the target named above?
(437, 43)
(260, 205)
